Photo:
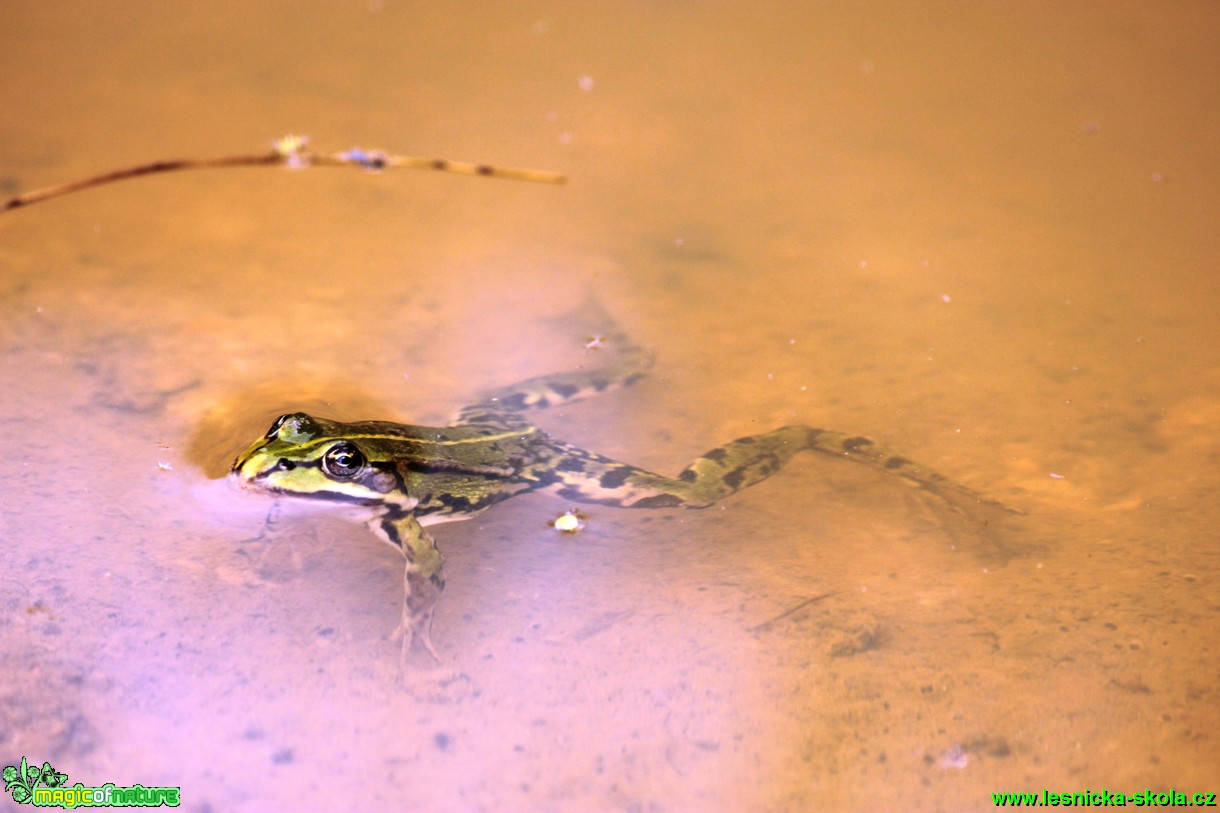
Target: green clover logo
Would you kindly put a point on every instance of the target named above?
(21, 781)
(52, 778)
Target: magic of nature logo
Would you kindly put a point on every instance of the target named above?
(47, 787)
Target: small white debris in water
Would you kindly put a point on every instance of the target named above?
(569, 522)
(163, 466)
(946, 298)
(585, 82)
(1057, 476)
(954, 757)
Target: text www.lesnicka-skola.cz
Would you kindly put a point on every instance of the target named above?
(1105, 798)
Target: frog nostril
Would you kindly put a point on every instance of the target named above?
(285, 464)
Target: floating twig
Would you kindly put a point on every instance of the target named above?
(766, 625)
(293, 152)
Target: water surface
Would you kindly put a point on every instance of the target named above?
(983, 234)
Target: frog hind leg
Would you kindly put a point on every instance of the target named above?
(423, 577)
(586, 477)
(613, 361)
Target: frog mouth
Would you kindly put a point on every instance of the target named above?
(256, 485)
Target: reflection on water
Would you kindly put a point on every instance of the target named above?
(981, 234)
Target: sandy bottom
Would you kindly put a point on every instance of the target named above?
(976, 233)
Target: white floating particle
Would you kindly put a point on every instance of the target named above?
(1055, 476)
(585, 82)
(946, 298)
(569, 522)
(955, 757)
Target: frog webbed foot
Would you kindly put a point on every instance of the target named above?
(421, 595)
(437, 684)
(260, 548)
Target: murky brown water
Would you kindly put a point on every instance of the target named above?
(984, 233)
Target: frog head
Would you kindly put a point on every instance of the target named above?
(304, 456)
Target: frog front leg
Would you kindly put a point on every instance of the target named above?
(423, 577)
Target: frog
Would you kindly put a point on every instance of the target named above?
(399, 479)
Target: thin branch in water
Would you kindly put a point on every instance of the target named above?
(293, 152)
(766, 625)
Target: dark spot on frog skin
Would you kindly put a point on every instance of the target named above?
(856, 445)
(733, 479)
(615, 477)
(518, 400)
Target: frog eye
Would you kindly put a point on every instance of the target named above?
(275, 427)
(343, 460)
